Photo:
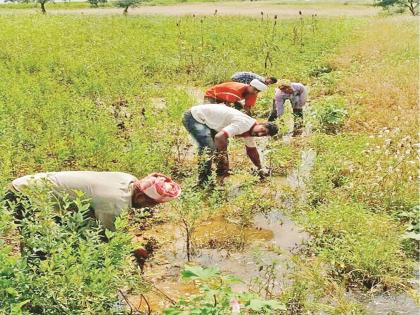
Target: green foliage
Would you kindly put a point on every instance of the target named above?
(377, 171)
(411, 5)
(314, 289)
(329, 114)
(79, 272)
(356, 243)
(216, 295)
(349, 195)
(413, 223)
(69, 95)
(96, 3)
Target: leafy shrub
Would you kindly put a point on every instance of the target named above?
(363, 247)
(77, 273)
(96, 3)
(329, 114)
(216, 296)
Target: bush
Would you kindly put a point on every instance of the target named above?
(79, 273)
(329, 114)
(363, 247)
(216, 296)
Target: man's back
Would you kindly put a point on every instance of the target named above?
(229, 91)
(246, 77)
(110, 192)
(220, 116)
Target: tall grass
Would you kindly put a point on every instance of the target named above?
(67, 79)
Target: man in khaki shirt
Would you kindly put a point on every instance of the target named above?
(109, 192)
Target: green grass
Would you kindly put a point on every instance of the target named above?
(78, 93)
(355, 242)
(52, 5)
(83, 5)
(63, 93)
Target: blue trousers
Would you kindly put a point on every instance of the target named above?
(204, 137)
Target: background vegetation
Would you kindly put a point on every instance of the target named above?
(107, 93)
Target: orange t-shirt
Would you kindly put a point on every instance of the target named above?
(232, 92)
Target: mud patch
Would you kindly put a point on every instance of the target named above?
(387, 304)
(158, 103)
(287, 235)
(240, 251)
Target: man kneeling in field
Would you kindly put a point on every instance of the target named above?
(109, 192)
(212, 125)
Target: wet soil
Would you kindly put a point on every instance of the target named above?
(220, 243)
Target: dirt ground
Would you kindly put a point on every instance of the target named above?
(225, 8)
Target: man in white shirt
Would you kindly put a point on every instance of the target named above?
(109, 192)
(211, 125)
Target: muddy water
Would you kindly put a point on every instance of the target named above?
(386, 304)
(223, 244)
(298, 177)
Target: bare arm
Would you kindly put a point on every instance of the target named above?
(254, 156)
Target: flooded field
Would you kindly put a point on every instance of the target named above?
(270, 240)
(240, 251)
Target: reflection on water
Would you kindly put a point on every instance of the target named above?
(271, 238)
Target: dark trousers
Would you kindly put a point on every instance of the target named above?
(204, 137)
(297, 116)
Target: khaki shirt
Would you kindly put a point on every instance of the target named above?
(110, 192)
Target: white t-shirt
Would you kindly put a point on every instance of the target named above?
(220, 117)
(110, 192)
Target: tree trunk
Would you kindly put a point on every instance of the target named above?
(43, 8)
(412, 6)
(188, 241)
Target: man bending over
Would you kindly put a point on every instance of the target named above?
(297, 94)
(211, 126)
(109, 192)
(234, 93)
(246, 78)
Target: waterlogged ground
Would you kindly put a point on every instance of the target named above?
(225, 245)
(272, 239)
(337, 164)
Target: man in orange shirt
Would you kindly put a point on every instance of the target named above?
(234, 92)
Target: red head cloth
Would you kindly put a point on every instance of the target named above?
(159, 187)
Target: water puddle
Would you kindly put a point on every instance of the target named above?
(286, 234)
(223, 244)
(388, 303)
(298, 176)
(392, 304)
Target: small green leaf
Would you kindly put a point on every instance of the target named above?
(12, 291)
